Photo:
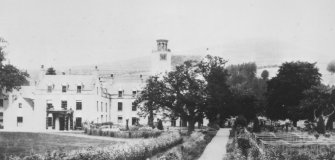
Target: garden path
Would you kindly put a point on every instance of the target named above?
(216, 149)
(96, 137)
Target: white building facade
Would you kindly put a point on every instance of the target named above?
(65, 102)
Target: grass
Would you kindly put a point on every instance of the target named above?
(24, 143)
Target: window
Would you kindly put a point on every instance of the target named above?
(19, 121)
(163, 56)
(119, 119)
(133, 121)
(78, 121)
(119, 106)
(120, 93)
(49, 121)
(78, 89)
(134, 93)
(1, 117)
(64, 105)
(49, 89)
(102, 118)
(64, 89)
(97, 106)
(20, 105)
(106, 107)
(102, 109)
(133, 107)
(49, 105)
(1, 102)
(78, 105)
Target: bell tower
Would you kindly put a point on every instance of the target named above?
(161, 58)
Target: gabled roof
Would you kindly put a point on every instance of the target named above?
(72, 81)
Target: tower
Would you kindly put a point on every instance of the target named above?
(161, 58)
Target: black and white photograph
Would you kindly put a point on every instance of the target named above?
(167, 80)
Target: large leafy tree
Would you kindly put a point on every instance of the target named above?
(180, 93)
(247, 90)
(331, 67)
(318, 105)
(50, 71)
(184, 93)
(147, 100)
(10, 77)
(218, 94)
(286, 89)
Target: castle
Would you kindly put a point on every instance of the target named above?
(66, 101)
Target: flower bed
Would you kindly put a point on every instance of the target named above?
(124, 134)
(131, 151)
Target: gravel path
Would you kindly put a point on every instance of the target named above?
(216, 149)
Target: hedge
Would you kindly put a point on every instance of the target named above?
(139, 150)
(124, 134)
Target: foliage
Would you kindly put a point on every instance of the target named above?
(147, 100)
(131, 151)
(247, 90)
(10, 77)
(123, 134)
(192, 147)
(265, 74)
(241, 121)
(317, 101)
(50, 71)
(216, 75)
(331, 67)
(285, 91)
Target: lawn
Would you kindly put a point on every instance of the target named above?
(22, 143)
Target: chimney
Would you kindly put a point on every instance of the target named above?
(96, 71)
(42, 72)
(162, 45)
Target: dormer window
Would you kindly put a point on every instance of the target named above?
(49, 88)
(78, 89)
(64, 89)
(120, 93)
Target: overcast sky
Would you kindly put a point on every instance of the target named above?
(66, 33)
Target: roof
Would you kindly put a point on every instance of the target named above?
(88, 81)
(127, 83)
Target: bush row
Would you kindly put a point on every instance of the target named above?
(123, 134)
(139, 150)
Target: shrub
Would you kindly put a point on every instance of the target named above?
(160, 125)
(241, 121)
(124, 134)
(131, 151)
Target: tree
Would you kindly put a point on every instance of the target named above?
(247, 90)
(318, 105)
(216, 75)
(184, 93)
(331, 67)
(265, 74)
(50, 71)
(285, 91)
(147, 100)
(10, 77)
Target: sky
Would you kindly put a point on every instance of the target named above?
(83, 32)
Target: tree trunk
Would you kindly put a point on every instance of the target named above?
(151, 119)
(191, 124)
(295, 123)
